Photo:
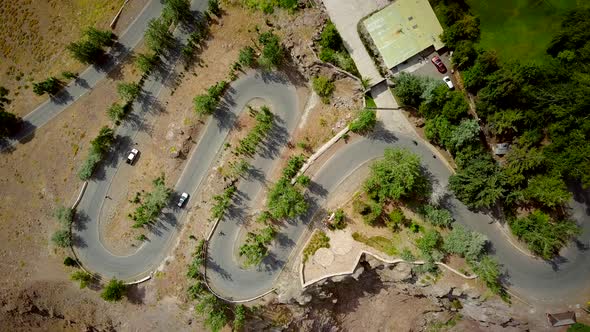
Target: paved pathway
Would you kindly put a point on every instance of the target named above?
(345, 14)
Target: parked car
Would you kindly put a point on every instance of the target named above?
(132, 156)
(449, 82)
(182, 199)
(440, 66)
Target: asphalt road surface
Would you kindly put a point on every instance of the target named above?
(91, 76)
(548, 282)
(88, 246)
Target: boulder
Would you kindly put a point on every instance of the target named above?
(397, 272)
(357, 272)
(488, 313)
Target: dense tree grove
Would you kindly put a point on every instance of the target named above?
(540, 108)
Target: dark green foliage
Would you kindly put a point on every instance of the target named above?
(339, 221)
(330, 38)
(239, 317)
(214, 311)
(286, 200)
(293, 165)
(152, 204)
(430, 241)
(50, 86)
(99, 146)
(256, 246)
(62, 238)
(198, 261)
(548, 190)
(455, 106)
(264, 122)
(578, 327)
(407, 255)
(222, 202)
(69, 261)
(465, 243)
(480, 184)
(464, 55)
(214, 7)
(544, 236)
(195, 291)
(395, 219)
(247, 57)
(128, 91)
(9, 123)
(91, 47)
(574, 32)
(146, 62)
(175, 11)
(436, 215)
(272, 51)
(467, 28)
(408, 89)
(324, 87)
(207, 103)
(68, 75)
(64, 215)
(99, 37)
(364, 123)
(116, 112)
(114, 291)
(83, 277)
(439, 131)
(158, 36)
(397, 175)
(303, 180)
(488, 270)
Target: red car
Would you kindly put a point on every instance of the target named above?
(437, 62)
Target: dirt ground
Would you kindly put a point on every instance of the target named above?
(35, 292)
(34, 36)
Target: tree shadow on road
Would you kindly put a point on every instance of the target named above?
(276, 139)
(80, 221)
(216, 268)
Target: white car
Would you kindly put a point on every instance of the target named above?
(182, 199)
(132, 155)
(449, 82)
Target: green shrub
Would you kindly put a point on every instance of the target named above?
(339, 221)
(69, 261)
(128, 91)
(324, 87)
(114, 291)
(62, 238)
(364, 123)
(395, 219)
(247, 57)
(319, 240)
(437, 216)
(83, 277)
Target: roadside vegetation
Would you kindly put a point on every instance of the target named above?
(285, 201)
(99, 147)
(91, 47)
(152, 203)
(332, 50)
(268, 6)
(538, 107)
(9, 123)
(398, 181)
(63, 236)
(318, 240)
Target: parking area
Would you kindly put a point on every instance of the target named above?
(421, 64)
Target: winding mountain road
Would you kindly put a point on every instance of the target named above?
(536, 279)
(273, 88)
(90, 77)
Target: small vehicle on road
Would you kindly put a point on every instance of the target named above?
(182, 199)
(449, 82)
(132, 156)
(440, 66)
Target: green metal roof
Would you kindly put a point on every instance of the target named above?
(403, 29)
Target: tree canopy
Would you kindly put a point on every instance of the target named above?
(397, 175)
